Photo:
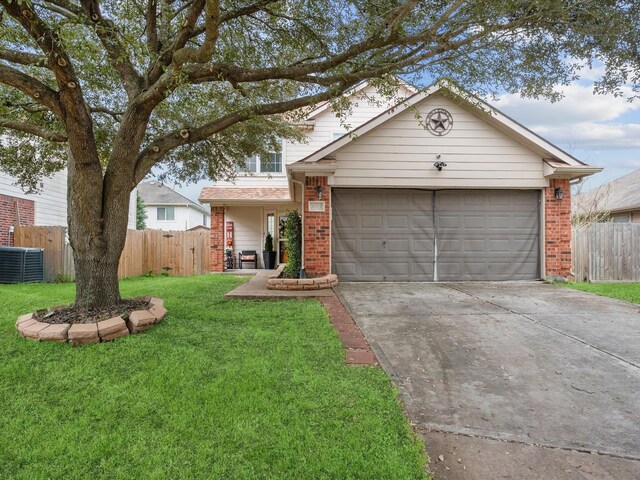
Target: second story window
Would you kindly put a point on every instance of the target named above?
(166, 213)
(271, 163)
(266, 164)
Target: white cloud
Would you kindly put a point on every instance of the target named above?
(578, 105)
(581, 120)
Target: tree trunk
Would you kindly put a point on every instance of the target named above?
(96, 278)
(98, 211)
(98, 208)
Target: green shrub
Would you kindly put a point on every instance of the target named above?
(268, 243)
(293, 233)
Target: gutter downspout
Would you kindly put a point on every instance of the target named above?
(303, 272)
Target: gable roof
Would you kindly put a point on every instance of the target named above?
(492, 115)
(618, 195)
(155, 193)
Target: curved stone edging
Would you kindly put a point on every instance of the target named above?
(82, 333)
(319, 283)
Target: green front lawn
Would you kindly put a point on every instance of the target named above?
(622, 291)
(223, 389)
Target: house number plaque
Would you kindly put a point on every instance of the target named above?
(316, 206)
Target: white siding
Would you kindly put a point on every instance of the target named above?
(185, 217)
(247, 228)
(401, 153)
(326, 124)
(133, 208)
(50, 203)
(179, 222)
(196, 218)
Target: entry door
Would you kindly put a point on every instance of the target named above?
(383, 235)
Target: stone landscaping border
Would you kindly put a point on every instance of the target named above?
(319, 283)
(357, 349)
(81, 333)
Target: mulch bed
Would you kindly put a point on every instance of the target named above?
(92, 315)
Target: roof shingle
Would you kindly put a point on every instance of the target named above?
(209, 194)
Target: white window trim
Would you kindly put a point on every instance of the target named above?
(282, 171)
(165, 214)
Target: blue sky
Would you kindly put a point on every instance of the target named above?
(600, 130)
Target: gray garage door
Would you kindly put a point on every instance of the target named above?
(423, 235)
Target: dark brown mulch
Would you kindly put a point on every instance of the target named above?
(92, 315)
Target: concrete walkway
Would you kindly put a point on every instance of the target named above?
(256, 288)
(510, 380)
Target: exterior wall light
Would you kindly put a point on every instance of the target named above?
(558, 193)
(439, 165)
(319, 191)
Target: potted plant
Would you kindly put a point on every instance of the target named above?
(269, 254)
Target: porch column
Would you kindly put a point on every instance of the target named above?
(557, 230)
(317, 227)
(216, 258)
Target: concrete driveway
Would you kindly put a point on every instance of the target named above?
(510, 380)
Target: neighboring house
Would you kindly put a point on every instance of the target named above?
(198, 228)
(467, 193)
(48, 207)
(168, 210)
(617, 200)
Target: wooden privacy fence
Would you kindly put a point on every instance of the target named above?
(179, 253)
(606, 252)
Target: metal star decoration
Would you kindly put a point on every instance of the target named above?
(439, 121)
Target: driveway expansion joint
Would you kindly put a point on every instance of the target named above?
(427, 428)
(542, 324)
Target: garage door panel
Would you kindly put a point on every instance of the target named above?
(445, 222)
(398, 246)
(422, 222)
(371, 221)
(346, 222)
(398, 222)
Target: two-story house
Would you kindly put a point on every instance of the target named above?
(166, 209)
(439, 187)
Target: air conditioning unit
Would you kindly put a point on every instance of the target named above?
(21, 265)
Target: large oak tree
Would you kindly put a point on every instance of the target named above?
(111, 88)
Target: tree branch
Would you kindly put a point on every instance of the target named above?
(107, 111)
(23, 58)
(203, 53)
(152, 26)
(156, 151)
(28, 85)
(71, 107)
(164, 59)
(110, 38)
(36, 130)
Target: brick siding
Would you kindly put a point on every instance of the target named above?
(317, 229)
(14, 212)
(557, 242)
(216, 257)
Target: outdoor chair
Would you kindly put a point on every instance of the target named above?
(248, 256)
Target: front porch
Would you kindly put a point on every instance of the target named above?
(241, 218)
